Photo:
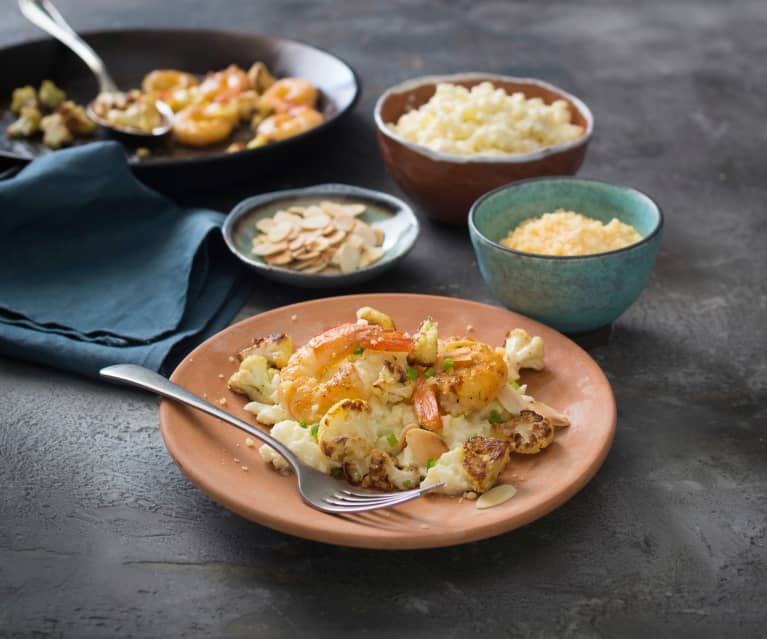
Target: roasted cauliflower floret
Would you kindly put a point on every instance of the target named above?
(383, 474)
(484, 459)
(425, 344)
(276, 348)
(25, 96)
(372, 316)
(50, 95)
(393, 385)
(75, 118)
(300, 440)
(55, 131)
(522, 351)
(255, 379)
(27, 124)
(346, 432)
(527, 433)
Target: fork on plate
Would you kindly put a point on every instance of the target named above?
(317, 489)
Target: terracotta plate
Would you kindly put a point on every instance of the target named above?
(205, 449)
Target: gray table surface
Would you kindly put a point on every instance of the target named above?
(101, 535)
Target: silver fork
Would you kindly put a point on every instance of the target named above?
(317, 489)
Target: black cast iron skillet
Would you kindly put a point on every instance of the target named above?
(130, 54)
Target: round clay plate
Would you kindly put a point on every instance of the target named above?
(213, 454)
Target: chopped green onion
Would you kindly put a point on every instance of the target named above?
(429, 372)
(411, 372)
(302, 423)
(393, 441)
(495, 417)
(447, 363)
(337, 472)
(314, 429)
(514, 384)
(430, 463)
(359, 351)
(407, 483)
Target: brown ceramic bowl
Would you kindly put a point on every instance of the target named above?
(446, 185)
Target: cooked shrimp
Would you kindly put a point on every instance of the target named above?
(286, 125)
(162, 83)
(225, 84)
(319, 374)
(202, 126)
(468, 375)
(288, 93)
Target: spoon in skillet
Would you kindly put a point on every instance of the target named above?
(110, 101)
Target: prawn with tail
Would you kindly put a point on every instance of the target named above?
(319, 374)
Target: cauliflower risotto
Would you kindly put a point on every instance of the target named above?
(569, 233)
(485, 120)
(389, 410)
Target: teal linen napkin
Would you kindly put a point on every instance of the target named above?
(96, 269)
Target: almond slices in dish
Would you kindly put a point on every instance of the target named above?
(328, 237)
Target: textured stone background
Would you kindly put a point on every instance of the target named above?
(100, 534)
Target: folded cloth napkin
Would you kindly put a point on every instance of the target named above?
(97, 269)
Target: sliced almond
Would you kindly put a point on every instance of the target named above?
(424, 445)
(319, 244)
(264, 224)
(370, 255)
(344, 222)
(356, 241)
(337, 237)
(315, 221)
(289, 218)
(307, 255)
(297, 243)
(303, 265)
(280, 259)
(313, 211)
(297, 210)
(347, 257)
(365, 232)
(496, 495)
(316, 267)
(329, 229)
(334, 208)
(263, 249)
(279, 231)
(380, 235)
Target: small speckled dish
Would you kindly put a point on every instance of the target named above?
(572, 294)
(395, 218)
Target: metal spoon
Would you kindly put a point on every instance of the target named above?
(43, 14)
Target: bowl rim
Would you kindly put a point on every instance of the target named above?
(474, 230)
(512, 158)
(328, 190)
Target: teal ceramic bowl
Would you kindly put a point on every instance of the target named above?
(571, 294)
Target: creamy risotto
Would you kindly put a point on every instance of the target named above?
(569, 233)
(486, 120)
(390, 410)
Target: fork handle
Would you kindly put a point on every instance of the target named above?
(43, 14)
(135, 375)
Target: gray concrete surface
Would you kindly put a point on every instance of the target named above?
(101, 536)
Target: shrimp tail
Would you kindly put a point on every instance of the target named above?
(426, 406)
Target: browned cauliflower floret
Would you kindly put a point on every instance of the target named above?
(55, 131)
(425, 344)
(75, 118)
(484, 459)
(255, 379)
(372, 316)
(276, 348)
(527, 433)
(27, 124)
(25, 96)
(522, 351)
(50, 95)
